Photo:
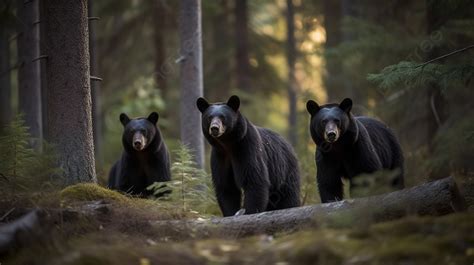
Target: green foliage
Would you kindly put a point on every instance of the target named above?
(414, 75)
(376, 183)
(454, 145)
(139, 100)
(22, 166)
(309, 189)
(191, 188)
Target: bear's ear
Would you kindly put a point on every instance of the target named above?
(234, 102)
(202, 104)
(124, 119)
(153, 117)
(312, 107)
(346, 105)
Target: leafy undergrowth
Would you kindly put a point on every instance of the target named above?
(123, 235)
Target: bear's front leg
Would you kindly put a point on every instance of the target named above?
(256, 198)
(228, 199)
(329, 174)
(228, 195)
(256, 185)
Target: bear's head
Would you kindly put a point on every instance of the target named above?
(329, 122)
(219, 119)
(140, 132)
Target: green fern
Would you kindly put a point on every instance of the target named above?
(191, 187)
(21, 166)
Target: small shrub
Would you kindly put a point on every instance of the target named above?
(23, 167)
(191, 188)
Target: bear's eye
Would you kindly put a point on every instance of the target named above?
(337, 121)
(324, 122)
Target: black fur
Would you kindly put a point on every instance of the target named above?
(136, 170)
(365, 145)
(249, 158)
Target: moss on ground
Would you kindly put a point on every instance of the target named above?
(412, 240)
(124, 236)
(91, 192)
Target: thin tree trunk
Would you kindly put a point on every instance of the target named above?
(191, 77)
(434, 100)
(159, 20)
(435, 198)
(242, 46)
(29, 85)
(69, 94)
(292, 85)
(95, 88)
(5, 79)
(43, 66)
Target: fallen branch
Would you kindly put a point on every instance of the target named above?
(435, 198)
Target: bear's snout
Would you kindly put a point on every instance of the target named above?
(216, 128)
(331, 133)
(139, 141)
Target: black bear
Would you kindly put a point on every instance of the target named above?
(248, 158)
(145, 158)
(348, 146)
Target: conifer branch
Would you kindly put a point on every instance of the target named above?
(445, 56)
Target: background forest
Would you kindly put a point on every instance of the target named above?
(408, 63)
(367, 50)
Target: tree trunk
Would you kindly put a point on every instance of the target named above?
(349, 90)
(95, 88)
(242, 46)
(5, 79)
(332, 24)
(222, 43)
(69, 94)
(434, 198)
(191, 77)
(292, 85)
(159, 20)
(29, 84)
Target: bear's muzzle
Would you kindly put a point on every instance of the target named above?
(139, 141)
(217, 128)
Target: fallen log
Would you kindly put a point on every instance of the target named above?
(434, 198)
(19, 232)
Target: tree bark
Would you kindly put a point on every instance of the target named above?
(292, 85)
(332, 24)
(29, 82)
(221, 50)
(433, 198)
(5, 79)
(69, 94)
(95, 88)
(159, 20)
(242, 46)
(191, 77)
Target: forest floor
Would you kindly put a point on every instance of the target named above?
(120, 231)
